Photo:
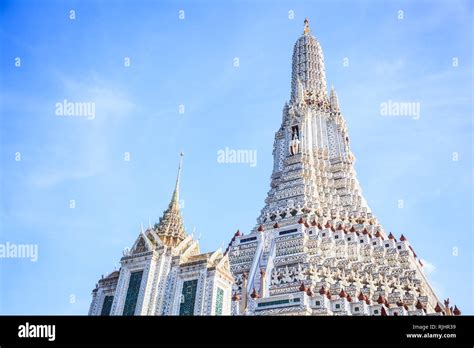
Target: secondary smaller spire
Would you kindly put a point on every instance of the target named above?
(170, 228)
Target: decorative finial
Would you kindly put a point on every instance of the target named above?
(181, 155)
(175, 199)
(306, 26)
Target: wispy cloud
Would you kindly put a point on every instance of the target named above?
(389, 68)
(93, 137)
(111, 100)
(428, 267)
(54, 177)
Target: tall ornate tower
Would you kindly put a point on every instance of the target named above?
(313, 166)
(317, 248)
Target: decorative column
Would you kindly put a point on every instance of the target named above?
(252, 305)
(262, 282)
(243, 301)
(235, 308)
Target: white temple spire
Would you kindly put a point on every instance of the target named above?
(308, 67)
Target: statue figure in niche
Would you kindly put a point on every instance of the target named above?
(295, 142)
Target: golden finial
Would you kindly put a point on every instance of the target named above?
(306, 26)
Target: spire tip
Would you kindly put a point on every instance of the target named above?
(175, 198)
(306, 26)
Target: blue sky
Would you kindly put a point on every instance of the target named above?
(190, 62)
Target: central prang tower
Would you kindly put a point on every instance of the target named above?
(317, 249)
(313, 170)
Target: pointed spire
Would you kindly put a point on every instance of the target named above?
(175, 198)
(456, 311)
(171, 227)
